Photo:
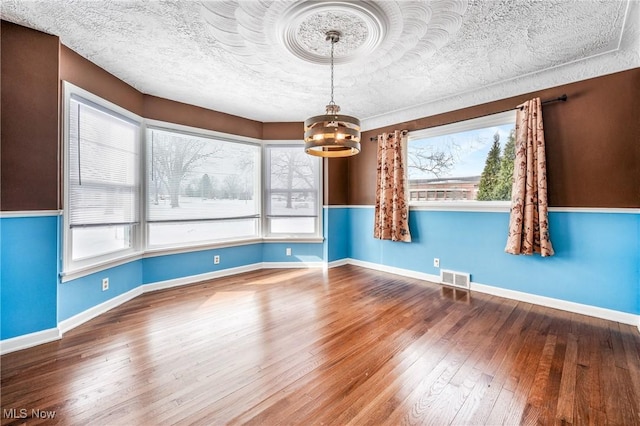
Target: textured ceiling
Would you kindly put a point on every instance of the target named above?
(395, 61)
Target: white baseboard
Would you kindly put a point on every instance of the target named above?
(564, 305)
(398, 271)
(79, 319)
(578, 308)
(29, 340)
(192, 279)
(336, 263)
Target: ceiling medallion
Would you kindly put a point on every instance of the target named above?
(362, 27)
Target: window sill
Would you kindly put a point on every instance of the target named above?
(293, 240)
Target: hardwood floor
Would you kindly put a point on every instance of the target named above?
(347, 346)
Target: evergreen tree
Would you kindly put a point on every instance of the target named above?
(206, 187)
(505, 176)
(489, 178)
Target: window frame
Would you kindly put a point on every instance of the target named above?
(267, 235)
(496, 119)
(71, 267)
(207, 134)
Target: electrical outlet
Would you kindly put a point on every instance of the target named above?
(436, 262)
(216, 259)
(105, 284)
(288, 251)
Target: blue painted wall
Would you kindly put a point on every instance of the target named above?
(336, 233)
(596, 260)
(300, 252)
(28, 274)
(78, 295)
(169, 267)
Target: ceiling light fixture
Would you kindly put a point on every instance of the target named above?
(332, 134)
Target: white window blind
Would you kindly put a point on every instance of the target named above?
(103, 175)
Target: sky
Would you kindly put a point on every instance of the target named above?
(470, 149)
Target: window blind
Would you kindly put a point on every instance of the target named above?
(103, 166)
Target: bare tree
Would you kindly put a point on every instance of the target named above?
(245, 164)
(293, 169)
(174, 157)
(429, 159)
(232, 186)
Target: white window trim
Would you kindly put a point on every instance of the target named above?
(497, 119)
(69, 266)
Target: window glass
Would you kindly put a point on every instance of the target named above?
(464, 162)
(95, 241)
(292, 191)
(200, 189)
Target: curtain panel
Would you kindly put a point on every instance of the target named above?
(529, 223)
(392, 209)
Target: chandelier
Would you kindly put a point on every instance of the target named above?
(332, 134)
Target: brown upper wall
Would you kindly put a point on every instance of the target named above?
(29, 125)
(189, 115)
(282, 131)
(336, 184)
(85, 74)
(592, 142)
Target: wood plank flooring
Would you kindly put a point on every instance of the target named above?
(344, 346)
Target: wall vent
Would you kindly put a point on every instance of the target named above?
(455, 279)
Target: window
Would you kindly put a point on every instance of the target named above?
(462, 162)
(292, 192)
(102, 180)
(200, 189)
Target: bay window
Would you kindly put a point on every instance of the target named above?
(129, 190)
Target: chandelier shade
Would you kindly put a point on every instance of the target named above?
(332, 134)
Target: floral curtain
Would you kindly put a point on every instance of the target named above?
(529, 224)
(392, 210)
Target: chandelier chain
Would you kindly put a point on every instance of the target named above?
(333, 42)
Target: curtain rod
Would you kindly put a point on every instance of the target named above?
(561, 98)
